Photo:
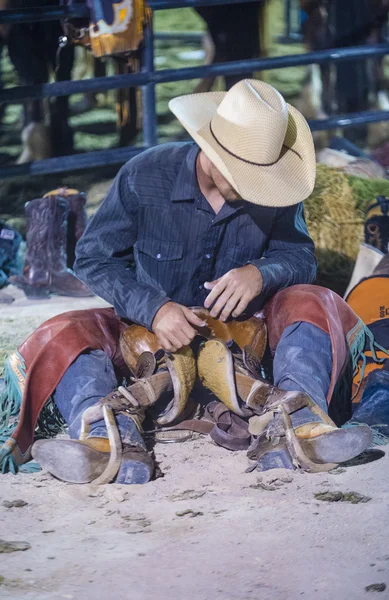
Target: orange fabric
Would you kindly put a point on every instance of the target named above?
(370, 299)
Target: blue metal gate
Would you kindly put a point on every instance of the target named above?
(148, 78)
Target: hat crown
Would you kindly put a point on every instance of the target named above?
(251, 122)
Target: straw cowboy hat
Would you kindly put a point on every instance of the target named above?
(262, 145)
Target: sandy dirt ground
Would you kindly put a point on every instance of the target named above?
(205, 530)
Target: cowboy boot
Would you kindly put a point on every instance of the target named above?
(102, 460)
(98, 459)
(62, 280)
(314, 447)
(45, 268)
(36, 275)
(76, 219)
(114, 449)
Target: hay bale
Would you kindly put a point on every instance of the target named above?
(366, 190)
(335, 214)
(335, 210)
(333, 220)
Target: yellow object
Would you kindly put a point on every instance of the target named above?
(370, 301)
(182, 369)
(97, 443)
(216, 372)
(125, 33)
(64, 191)
(312, 430)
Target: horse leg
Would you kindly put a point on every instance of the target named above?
(206, 84)
(234, 31)
(62, 64)
(23, 53)
(239, 38)
(127, 107)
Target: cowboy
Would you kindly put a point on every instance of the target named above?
(218, 223)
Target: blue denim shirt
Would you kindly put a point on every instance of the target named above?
(155, 238)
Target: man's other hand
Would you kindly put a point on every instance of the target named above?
(231, 294)
(173, 326)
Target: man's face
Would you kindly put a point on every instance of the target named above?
(225, 188)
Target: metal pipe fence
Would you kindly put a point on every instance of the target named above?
(148, 78)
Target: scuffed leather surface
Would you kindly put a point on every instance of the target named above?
(320, 307)
(51, 349)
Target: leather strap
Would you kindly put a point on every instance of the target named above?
(225, 428)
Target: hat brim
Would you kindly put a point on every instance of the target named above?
(287, 181)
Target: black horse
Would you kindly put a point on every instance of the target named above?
(33, 51)
(235, 34)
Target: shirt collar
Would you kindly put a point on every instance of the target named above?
(186, 186)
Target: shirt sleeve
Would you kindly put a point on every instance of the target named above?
(289, 257)
(104, 255)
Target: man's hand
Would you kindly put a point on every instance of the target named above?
(173, 326)
(233, 292)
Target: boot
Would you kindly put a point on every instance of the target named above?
(35, 279)
(85, 461)
(76, 219)
(313, 447)
(45, 268)
(63, 281)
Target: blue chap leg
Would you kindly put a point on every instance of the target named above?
(303, 362)
(88, 379)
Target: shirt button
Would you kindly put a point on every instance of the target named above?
(158, 255)
(201, 286)
(207, 256)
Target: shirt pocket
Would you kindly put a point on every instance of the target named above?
(160, 264)
(160, 251)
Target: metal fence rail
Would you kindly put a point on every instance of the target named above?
(148, 78)
(99, 84)
(53, 13)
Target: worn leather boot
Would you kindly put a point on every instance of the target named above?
(77, 461)
(312, 447)
(62, 280)
(76, 219)
(36, 273)
(45, 268)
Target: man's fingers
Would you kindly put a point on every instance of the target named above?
(221, 302)
(183, 337)
(174, 340)
(192, 318)
(217, 290)
(166, 345)
(243, 304)
(189, 332)
(229, 307)
(209, 285)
